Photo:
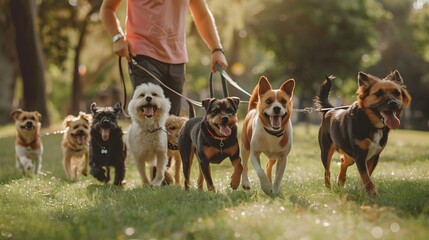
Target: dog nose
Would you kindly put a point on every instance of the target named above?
(276, 110)
(224, 119)
(148, 98)
(29, 124)
(393, 104)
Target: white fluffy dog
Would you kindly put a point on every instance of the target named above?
(147, 138)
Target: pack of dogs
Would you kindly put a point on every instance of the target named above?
(160, 143)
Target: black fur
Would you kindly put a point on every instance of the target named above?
(110, 153)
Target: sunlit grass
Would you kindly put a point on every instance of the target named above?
(54, 208)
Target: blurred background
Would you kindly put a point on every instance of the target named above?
(56, 57)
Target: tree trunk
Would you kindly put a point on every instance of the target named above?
(30, 57)
(8, 63)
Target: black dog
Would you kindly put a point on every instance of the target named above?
(107, 149)
(213, 138)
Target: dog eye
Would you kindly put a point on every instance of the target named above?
(216, 111)
(142, 95)
(268, 101)
(155, 94)
(172, 127)
(379, 93)
(396, 93)
(24, 118)
(283, 101)
(75, 127)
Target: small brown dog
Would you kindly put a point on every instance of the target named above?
(359, 132)
(28, 144)
(75, 144)
(212, 138)
(173, 126)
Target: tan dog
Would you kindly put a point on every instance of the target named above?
(28, 145)
(173, 126)
(267, 129)
(75, 144)
(359, 132)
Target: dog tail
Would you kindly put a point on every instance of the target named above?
(191, 109)
(322, 98)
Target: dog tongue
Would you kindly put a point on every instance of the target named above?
(148, 111)
(105, 134)
(391, 120)
(225, 130)
(275, 121)
(79, 139)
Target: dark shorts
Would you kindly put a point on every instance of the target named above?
(172, 75)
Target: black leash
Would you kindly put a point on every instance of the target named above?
(224, 86)
(124, 88)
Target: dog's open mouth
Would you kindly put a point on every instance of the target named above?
(80, 138)
(224, 130)
(275, 121)
(27, 127)
(148, 110)
(390, 119)
(105, 134)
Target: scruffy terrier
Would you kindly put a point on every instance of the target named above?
(212, 138)
(28, 144)
(75, 144)
(147, 137)
(359, 132)
(173, 126)
(107, 148)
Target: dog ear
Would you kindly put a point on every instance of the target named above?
(364, 79)
(395, 76)
(38, 115)
(87, 117)
(288, 86)
(15, 113)
(67, 120)
(206, 103)
(235, 101)
(94, 108)
(117, 108)
(263, 85)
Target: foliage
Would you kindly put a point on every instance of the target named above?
(54, 208)
(312, 38)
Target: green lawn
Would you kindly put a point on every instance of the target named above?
(53, 208)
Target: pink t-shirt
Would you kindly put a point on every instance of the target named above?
(156, 28)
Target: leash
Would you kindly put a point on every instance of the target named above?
(124, 88)
(224, 79)
(134, 62)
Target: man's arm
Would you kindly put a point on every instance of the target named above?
(205, 24)
(112, 25)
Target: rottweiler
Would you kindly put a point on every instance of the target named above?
(213, 138)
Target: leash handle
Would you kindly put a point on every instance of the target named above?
(224, 86)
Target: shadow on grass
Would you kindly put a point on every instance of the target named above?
(409, 197)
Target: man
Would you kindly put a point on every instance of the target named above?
(155, 37)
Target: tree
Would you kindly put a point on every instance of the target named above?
(8, 62)
(309, 39)
(30, 57)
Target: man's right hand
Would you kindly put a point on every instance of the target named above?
(122, 48)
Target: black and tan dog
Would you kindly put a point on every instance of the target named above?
(107, 149)
(213, 138)
(359, 132)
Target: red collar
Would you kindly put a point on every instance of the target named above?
(216, 137)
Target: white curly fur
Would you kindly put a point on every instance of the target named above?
(147, 138)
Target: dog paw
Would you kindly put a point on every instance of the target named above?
(156, 183)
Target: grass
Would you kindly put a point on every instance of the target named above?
(51, 207)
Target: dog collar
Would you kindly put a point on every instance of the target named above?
(276, 133)
(173, 146)
(23, 143)
(379, 117)
(156, 129)
(216, 137)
